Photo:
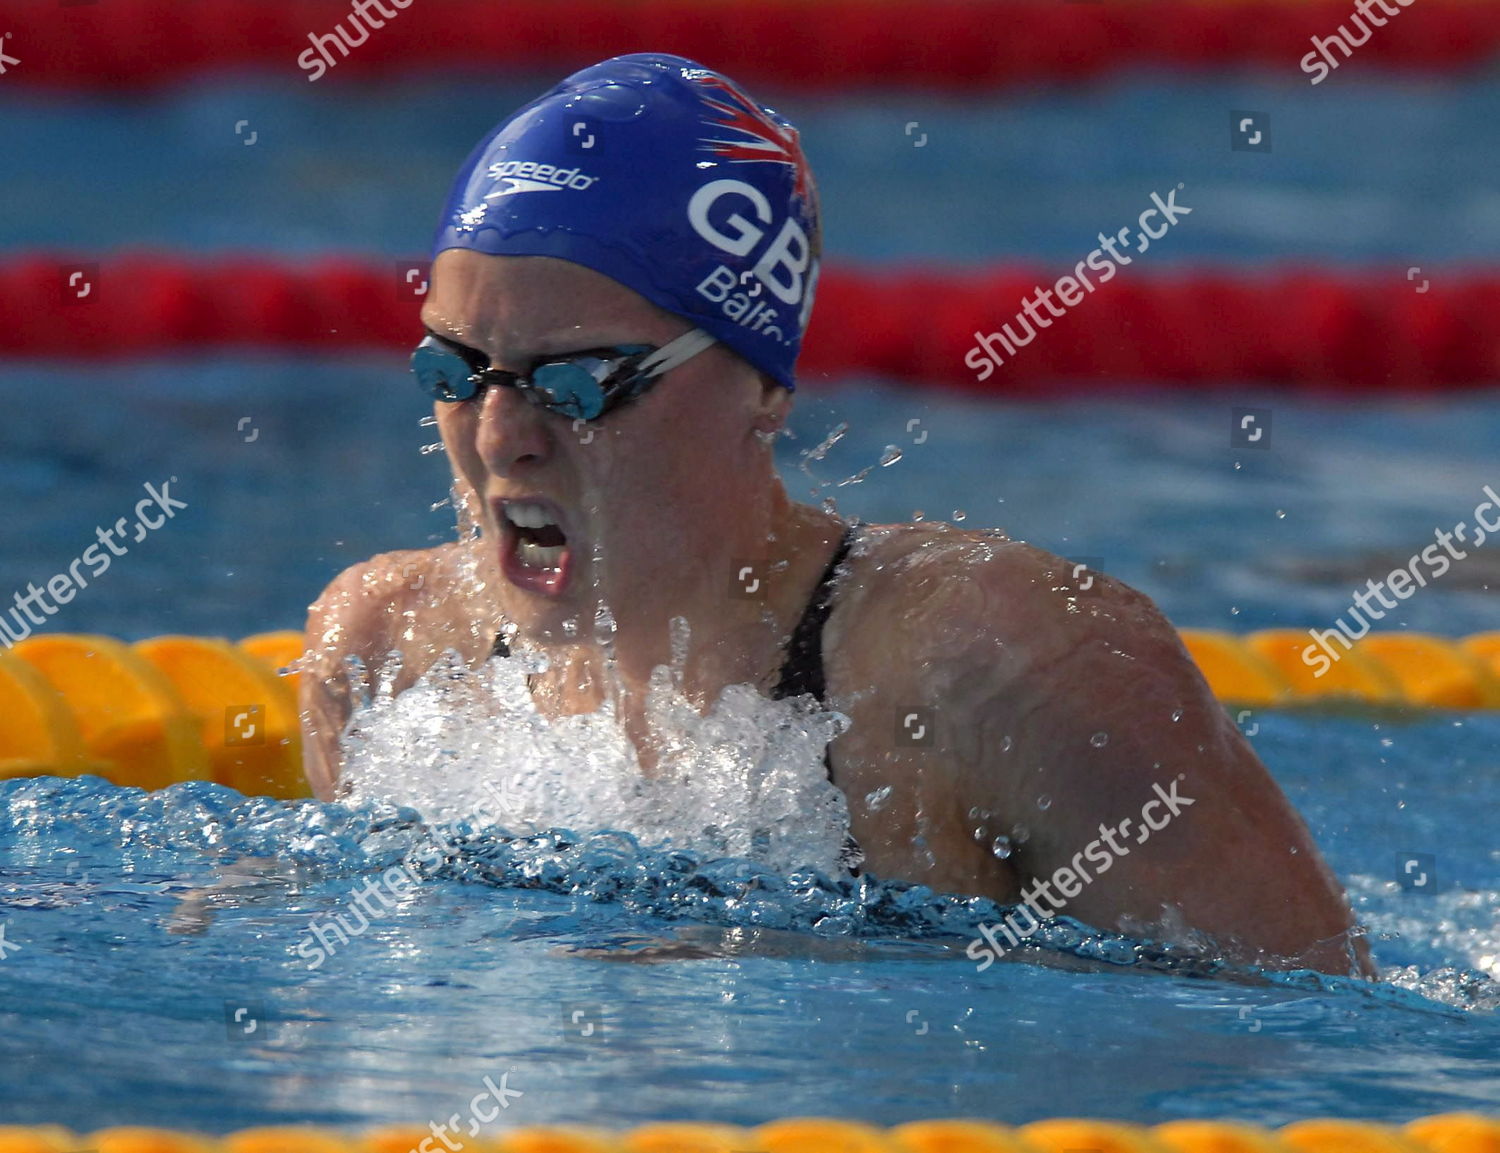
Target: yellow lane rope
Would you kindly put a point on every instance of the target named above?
(191, 708)
(1447, 1133)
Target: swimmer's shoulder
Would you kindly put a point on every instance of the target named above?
(934, 591)
(395, 601)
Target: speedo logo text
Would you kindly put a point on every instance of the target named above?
(529, 176)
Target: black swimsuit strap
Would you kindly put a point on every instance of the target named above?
(802, 671)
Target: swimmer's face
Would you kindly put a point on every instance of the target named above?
(638, 495)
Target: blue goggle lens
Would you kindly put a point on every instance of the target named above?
(442, 372)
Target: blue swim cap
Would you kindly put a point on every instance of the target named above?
(666, 177)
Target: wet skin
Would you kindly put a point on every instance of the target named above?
(1050, 713)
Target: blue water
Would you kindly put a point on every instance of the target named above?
(146, 923)
(1372, 168)
(326, 470)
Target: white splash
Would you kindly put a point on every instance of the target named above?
(746, 779)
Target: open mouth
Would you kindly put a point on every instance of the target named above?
(535, 549)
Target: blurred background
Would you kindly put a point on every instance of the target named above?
(212, 266)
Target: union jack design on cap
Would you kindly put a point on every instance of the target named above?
(666, 177)
(763, 139)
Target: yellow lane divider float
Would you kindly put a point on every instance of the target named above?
(1447, 1133)
(189, 708)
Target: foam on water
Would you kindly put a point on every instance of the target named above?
(744, 779)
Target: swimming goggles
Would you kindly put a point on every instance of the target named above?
(583, 386)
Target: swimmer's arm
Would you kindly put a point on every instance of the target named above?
(1237, 864)
(323, 695)
(352, 618)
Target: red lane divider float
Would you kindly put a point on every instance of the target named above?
(953, 44)
(1310, 328)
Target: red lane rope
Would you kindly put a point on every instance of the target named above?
(1292, 327)
(803, 44)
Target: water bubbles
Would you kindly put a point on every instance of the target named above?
(1044, 802)
(918, 515)
(428, 421)
(1019, 833)
(877, 800)
(1176, 715)
(1003, 847)
(745, 779)
(429, 449)
(959, 515)
(1281, 514)
(570, 627)
(1006, 744)
(890, 456)
(680, 633)
(1099, 739)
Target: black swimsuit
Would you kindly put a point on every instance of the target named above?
(802, 671)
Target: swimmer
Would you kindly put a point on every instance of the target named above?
(621, 279)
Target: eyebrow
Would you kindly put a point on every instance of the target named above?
(535, 356)
(446, 339)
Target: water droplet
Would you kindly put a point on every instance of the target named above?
(1099, 740)
(959, 514)
(1044, 802)
(980, 832)
(570, 627)
(890, 456)
(1019, 833)
(1002, 847)
(1281, 514)
(917, 514)
(1176, 715)
(1005, 744)
(877, 800)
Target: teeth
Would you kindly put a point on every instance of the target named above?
(528, 515)
(535, 556)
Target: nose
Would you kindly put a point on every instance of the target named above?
(512, 432)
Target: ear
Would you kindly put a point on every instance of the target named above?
(773, 408)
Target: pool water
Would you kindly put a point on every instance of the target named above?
(147, 923)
